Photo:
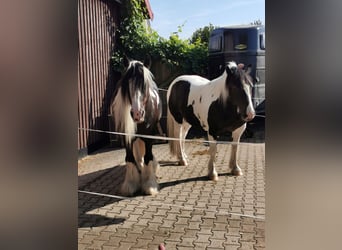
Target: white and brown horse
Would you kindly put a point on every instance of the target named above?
(136, 109)
(218, 106)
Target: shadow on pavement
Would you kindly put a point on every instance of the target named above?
(106, 181)
(193, 179)
(88, 202)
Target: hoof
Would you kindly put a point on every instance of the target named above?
(127, 190)
(237, 171)
(183, 163)
(213, 177)
(151, 190)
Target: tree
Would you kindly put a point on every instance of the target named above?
(256, 22)
(202, 35)
(136, 42)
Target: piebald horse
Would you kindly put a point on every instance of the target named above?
(218, 106)
(137, 109)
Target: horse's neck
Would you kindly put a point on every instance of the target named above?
(217, 87)
(219, 81)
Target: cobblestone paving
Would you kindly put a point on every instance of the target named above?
(190, 212)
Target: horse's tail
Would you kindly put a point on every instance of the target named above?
(171, 133)
(172, 130)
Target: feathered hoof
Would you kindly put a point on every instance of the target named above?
(150, 190)
(131, 183)
(236, 171)
(149, 184)
(128, 190)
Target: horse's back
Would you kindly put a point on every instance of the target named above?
(182, 84)
(192, 79)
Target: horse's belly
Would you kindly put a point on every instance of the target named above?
(200, 102)
(194, 120)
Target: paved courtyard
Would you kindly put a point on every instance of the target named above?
(190, 212)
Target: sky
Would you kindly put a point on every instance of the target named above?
(195, 14)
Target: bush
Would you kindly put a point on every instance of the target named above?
(136, 41)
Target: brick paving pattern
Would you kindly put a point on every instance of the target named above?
(190, 212)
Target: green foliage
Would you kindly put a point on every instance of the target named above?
(202, 35)
(136, 40)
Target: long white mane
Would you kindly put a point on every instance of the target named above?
(121, 106)
(123, 122)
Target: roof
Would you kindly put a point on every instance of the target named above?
(242, 26)
(149, 9)
(238, 27)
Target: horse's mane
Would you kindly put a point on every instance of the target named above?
(121, 103)
(142, 76)
(237, 70)
(240, 71)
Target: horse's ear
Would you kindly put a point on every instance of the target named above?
(231, 68)
(147, 61)
(248, 69)
(126, 61)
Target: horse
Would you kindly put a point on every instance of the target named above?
(136, 108)
(215, 107)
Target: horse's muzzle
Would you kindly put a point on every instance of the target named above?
(248, 117)
(138, 116)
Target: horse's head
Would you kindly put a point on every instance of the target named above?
(135, 87)
(240, 83)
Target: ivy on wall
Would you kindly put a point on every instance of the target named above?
(136, 40)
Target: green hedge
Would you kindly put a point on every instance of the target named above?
(136, 40)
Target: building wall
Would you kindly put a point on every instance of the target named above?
(97, 24)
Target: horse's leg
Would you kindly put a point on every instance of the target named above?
(139, 152)
(233, 165)
(179, 145)
(148, 175)
(174, 130)
(212, 174)
(131, 183)
(183, 132)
